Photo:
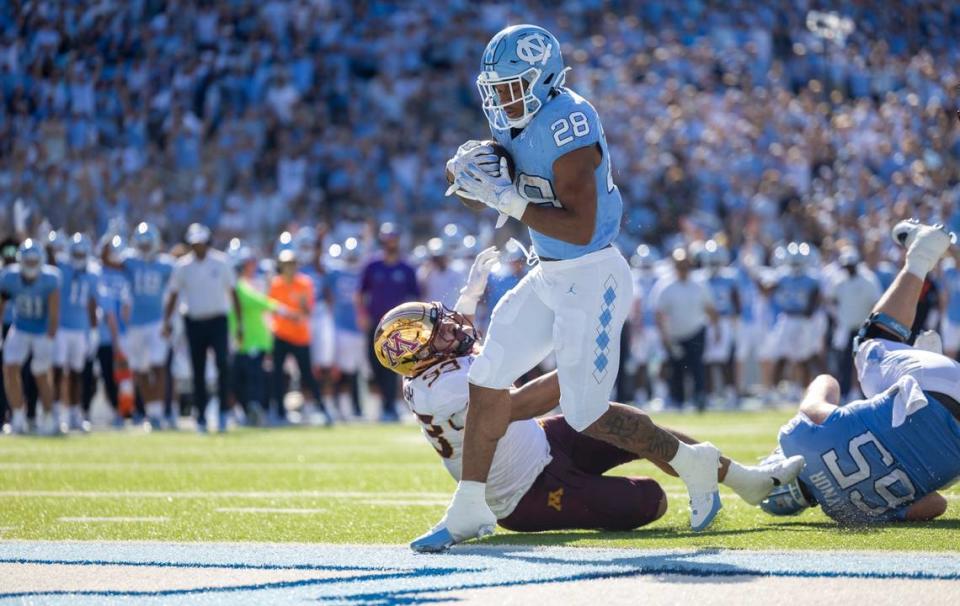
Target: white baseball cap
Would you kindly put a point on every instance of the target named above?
(198, 234)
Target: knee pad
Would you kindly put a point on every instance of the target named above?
(881, 326)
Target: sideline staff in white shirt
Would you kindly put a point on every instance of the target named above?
(855, 290)
(683, 306)
(206, 282)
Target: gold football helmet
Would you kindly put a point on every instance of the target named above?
(414, 336)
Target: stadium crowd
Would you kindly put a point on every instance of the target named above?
(751, 125)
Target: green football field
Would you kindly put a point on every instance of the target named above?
(359, 484)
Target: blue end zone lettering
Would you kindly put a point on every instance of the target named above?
(394, 575)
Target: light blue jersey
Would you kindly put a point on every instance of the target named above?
(29, 299)
(111, 296)
(861, 469)
(723, 287)
(78, 287)
(565, 123)
(643, 285)
(951, 284)
(344, 284)
(794, 293)
(319, 279)
(747, 292)
(148, 280)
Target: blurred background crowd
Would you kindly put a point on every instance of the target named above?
(749, 124)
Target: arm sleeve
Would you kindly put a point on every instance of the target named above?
(570, 125)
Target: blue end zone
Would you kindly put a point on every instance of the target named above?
(394, 575)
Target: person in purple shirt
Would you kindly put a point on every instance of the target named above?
(385, 282)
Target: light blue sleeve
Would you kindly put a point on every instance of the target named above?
(569, 124)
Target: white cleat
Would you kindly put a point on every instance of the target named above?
(767, 476)
(702, 486)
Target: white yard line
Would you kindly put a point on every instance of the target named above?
(92, 519)
(226, 494)
(270, 510)
(406, 503)
(225, 466)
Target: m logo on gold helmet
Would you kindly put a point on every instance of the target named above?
(405, 338)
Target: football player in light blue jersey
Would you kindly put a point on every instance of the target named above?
(309, 255)
(33, 288)
(950, 308)
(718, 355)
(645, 342)
(113, 298)
(794, 297)
(76, 340)
(881, 459)
(575, 302)
(148, 274)
(343, 282)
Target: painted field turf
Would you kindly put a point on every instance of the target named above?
(358, 484)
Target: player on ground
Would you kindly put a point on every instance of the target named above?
(545, 475)
(34, 289)
(148, 272)
(76, 340)
(881, 459)
(575, 301)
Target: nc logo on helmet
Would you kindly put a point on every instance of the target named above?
(534, 49)
(395, 346)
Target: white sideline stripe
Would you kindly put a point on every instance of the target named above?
(230, 494)
(270, 510)
(84, 519)
(174, 465)
(406, 503)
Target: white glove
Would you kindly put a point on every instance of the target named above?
(496, 191)
(468, 515)
(929, 245)
(476, 281)
(469, 152)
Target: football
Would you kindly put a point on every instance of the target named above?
(501, 152)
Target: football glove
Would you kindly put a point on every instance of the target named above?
(498, 192)
(928, 245)
(476, 281)
(467, 517)
(466, 153)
